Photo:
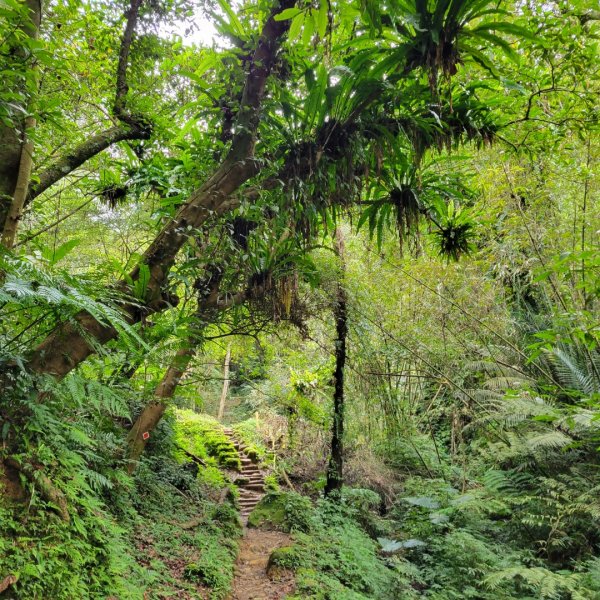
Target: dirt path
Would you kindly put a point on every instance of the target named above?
(251, 579)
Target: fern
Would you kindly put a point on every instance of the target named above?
(548, 440)
(575, 369)
(540, 582)
(30, 289)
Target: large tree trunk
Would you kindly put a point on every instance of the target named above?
(23, 177)
(335, 470)
(69, 345)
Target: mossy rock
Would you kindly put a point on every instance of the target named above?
(225, 447)
(284, 511)
(286, 558)
(232, 462)
(270, 512)
(252, 453)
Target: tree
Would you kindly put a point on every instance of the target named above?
(131, 127)
(335, 470)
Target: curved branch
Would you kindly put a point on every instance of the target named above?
(66, 164)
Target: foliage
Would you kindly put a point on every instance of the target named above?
(454, 143)
(336, 559)
(203, 436)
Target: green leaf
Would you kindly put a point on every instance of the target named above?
(296, 26)
(54, 255)
(288, 13)
(141, 284)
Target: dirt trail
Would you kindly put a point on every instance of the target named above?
(251, 579)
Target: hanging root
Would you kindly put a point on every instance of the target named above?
(49, 492)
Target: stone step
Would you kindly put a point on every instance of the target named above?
(243, 482)
(259, 487)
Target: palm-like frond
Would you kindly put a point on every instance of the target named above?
(573, 371)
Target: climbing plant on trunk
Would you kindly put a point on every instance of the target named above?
(335, 469)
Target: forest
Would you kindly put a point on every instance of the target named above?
(299, 299)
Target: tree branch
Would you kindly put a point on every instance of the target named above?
(71, 344)
(66, 164)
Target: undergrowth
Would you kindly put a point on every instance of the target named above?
(203, 436)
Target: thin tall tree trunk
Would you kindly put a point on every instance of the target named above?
(23, 178)
(152, 414)
(335, 469)
(225, 384)
(12, 136)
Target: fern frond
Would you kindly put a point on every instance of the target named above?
(502, 382)
(548, 439)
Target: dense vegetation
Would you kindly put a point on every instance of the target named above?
(360, 239)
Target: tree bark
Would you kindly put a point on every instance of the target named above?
(23, 178)
(64, 165)
(225, 384)
(152, 414)
(12, 136)
(47, 490)
(70, 344)
(335, 470)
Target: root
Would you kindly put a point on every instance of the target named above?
(7, 582)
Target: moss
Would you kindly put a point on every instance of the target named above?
(270, 511)
(271, 483)
(252, 453)
(246, 431)
(282, 511)
(286, 557)
(203, 436)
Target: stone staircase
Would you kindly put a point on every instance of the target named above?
(250, 481)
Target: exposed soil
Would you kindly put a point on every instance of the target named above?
(251, 579)
(10, 485)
